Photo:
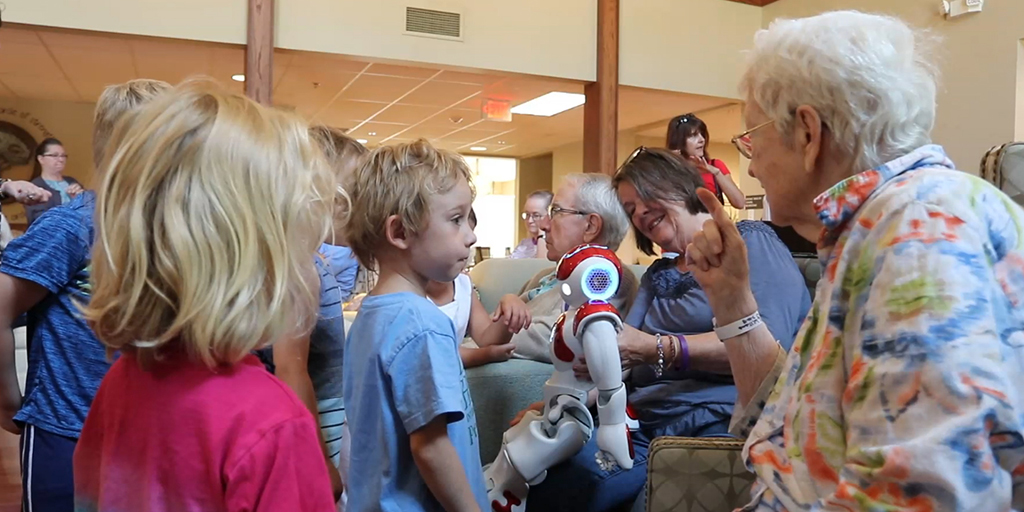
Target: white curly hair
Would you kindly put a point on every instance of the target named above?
(871, 78)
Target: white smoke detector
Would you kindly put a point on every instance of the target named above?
(954, 8)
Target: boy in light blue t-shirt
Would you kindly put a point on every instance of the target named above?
(413, 428)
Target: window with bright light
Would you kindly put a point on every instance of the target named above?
(495, 205)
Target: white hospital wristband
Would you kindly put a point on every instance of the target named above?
(737, 328)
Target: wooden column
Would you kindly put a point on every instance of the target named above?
(259, 51)
(601, 112)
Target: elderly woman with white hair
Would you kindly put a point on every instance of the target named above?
(904, 387)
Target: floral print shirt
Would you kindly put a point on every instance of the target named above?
(904, 389)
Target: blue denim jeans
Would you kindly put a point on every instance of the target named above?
(579, 484)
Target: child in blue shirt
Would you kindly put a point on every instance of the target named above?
(415, 443)
(45, 273)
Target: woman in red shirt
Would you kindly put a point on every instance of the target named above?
(688, 136)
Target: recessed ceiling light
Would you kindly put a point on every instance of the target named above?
(478, 148)
(362, 141)
(371, 134)
(550, 104)
(501, 142)
(238, 77)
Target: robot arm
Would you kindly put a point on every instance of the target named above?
(600, 344)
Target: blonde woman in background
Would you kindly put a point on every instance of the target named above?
(535, 214)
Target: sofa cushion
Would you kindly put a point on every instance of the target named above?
(495, 278)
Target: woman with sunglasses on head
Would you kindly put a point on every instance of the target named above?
(688, 137)
(51, 158)
(534, 212)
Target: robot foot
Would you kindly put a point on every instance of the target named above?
(506, 489)
(508, 502)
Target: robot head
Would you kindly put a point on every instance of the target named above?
(588, 273)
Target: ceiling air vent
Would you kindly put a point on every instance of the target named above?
(433, 23)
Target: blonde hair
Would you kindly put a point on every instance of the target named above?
(345, 155)
(398, 180)
(208, 219)
(114, 103)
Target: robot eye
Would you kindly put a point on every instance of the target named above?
(597, 284)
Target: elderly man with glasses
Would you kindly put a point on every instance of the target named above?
(583, 210)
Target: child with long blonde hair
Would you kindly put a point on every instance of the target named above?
(209, 215)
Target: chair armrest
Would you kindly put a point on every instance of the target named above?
(687, 473)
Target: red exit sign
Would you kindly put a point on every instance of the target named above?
(496, 110)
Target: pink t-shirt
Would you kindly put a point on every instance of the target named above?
(184, 438)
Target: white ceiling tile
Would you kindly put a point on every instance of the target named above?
(349, 109)
(91, 69)
(445, 119)
(380, 88)
(402, 71)
(469, 78)
(472, 135)
(28, 60)
(408, 114)
(441, 94)
(36, 88)
(15, 35)
(381, 129)
(95, 42)
(325, 61)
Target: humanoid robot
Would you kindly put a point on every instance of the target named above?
(588, 276)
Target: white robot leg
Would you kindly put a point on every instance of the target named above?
(613, 433)
(535, 444)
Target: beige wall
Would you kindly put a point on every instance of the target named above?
(693, 46)
(664, 43)
(979, 60)
(67, 121)
(1019, 130)
(534, 174)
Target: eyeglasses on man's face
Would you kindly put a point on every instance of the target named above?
(534, 216)
(556, 210)
(742, 141)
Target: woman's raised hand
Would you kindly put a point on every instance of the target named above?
(717, 256)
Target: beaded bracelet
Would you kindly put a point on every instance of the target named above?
(660, 367)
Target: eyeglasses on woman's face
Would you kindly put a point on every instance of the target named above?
(533, 216)
(742, 141)
(56, 156)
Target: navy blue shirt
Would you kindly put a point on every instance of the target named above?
(65, 361)
(694, 403)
